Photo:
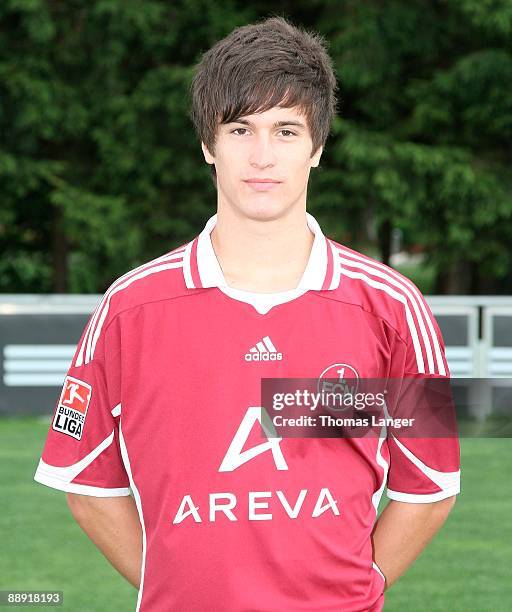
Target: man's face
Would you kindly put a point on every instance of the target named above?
(263, 162)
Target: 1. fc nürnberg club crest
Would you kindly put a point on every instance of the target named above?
(339, 378)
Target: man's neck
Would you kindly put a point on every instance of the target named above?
(262, 256)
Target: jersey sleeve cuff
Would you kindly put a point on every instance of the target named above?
(72, 487)
(427, 498)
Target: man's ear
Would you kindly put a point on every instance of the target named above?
(315, 159)
(207, 155)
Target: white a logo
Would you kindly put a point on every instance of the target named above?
(235, 456)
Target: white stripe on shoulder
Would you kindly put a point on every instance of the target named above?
(186, 266)
(336, 267)
(127, 283)
(414, 298)
(408, 315)
(84, 354)
(87, 341)
(176, 254)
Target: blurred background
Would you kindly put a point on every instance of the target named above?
(100, 171)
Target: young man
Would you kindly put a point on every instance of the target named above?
(162, 399)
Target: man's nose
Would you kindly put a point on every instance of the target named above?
(262, 152)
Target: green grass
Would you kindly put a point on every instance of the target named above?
(468, 566)
(42, 546)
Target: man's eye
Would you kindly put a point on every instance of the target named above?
(288, 133)
(244, 130)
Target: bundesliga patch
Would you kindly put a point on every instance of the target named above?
(72, 407)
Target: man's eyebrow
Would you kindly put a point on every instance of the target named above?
(276, 124)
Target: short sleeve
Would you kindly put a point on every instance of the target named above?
(82, 452)
(425, 465)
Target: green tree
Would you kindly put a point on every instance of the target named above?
(100, 169)
(423, 142)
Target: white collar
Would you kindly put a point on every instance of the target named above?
(210, 272)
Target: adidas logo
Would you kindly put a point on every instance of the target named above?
(263, 351)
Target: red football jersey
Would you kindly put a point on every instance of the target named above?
(162, 401)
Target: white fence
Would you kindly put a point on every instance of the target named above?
(478, 334)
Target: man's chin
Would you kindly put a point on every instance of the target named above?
(264, 210)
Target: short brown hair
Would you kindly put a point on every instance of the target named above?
(260, 66)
